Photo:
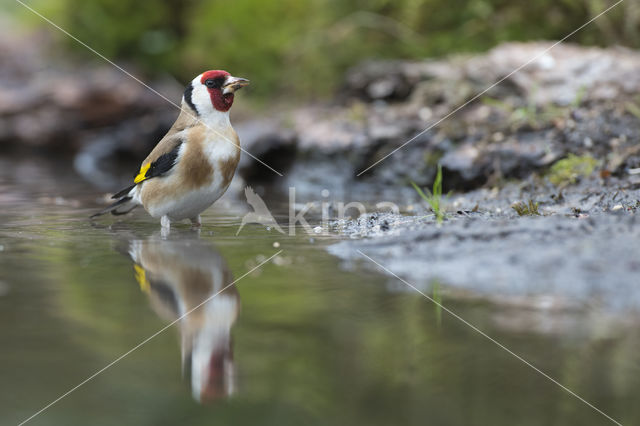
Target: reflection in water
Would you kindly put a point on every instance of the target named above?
(178, 276)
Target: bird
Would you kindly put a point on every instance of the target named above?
(193, 164)
(189, 282)
(260, 213)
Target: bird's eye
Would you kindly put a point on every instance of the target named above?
(216, 83)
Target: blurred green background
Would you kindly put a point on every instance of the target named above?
(301, 48)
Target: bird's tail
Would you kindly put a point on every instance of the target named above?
(123, 205)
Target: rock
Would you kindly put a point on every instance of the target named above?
(390, 80)
(560, 75)
(326, 131)
(271, 144)
(49, 103)
(569, 99)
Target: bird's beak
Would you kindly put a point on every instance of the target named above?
(233, 83)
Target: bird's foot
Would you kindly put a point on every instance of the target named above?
(165, 222)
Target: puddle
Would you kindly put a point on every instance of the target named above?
(301, 340)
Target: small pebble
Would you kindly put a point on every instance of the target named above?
(425, 113)
(616, 207)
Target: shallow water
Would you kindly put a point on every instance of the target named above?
(301, 340)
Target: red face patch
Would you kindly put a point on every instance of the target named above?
(220, 102)
(213, 74)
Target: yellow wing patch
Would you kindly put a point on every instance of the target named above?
(141, 277)
(141, 174)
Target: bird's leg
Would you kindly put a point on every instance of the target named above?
(165, 222)
(195, 222)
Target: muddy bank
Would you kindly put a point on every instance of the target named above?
(580, 253)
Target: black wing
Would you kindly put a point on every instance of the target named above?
(162, 165)
(159, 167)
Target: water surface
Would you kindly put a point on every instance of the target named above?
(302, 340)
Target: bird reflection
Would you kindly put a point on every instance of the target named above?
(178, 276)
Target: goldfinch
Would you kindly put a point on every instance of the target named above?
(193, 164)
(191, 280)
